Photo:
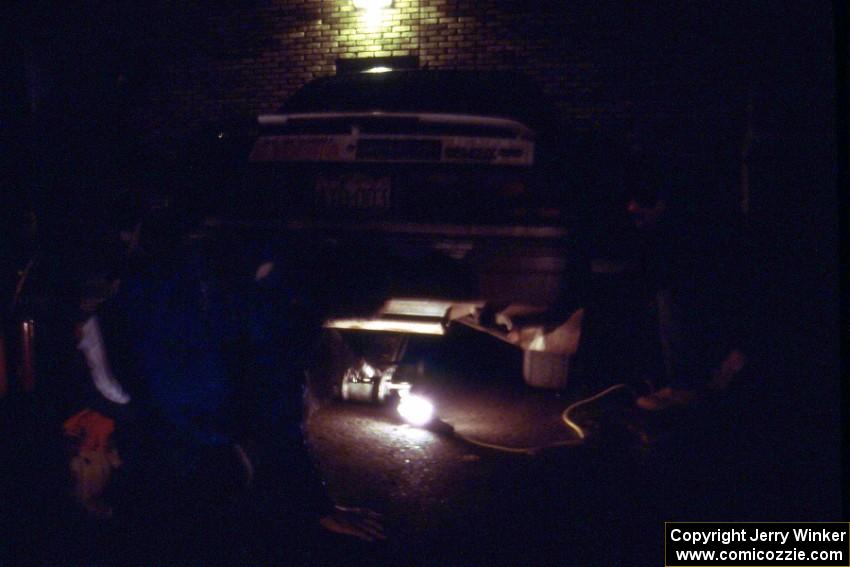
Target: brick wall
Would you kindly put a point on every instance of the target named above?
(676, 75)
(246, 57)
(670, 71)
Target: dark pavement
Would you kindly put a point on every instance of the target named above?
(735, 457)
(750, 454)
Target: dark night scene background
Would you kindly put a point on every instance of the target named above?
(739, 102)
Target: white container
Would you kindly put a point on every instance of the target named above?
(546, 360)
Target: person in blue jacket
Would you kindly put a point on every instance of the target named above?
(211, 361)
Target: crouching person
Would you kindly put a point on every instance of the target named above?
(695, 266)
(211, 363)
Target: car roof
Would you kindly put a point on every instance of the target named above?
(486, 93)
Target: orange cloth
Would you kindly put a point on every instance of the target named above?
(90, 428)
(91, 467)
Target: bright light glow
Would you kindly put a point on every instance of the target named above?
(373, 14)
(379, 69)
(372, 4)
(368, 370)
(372, 20)
(395, 326)
(416, 410)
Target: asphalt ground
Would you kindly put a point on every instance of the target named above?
(737, 456)
(753, 453)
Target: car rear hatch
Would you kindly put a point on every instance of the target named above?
(418, 167)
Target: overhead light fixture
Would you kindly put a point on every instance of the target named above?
(372, 4)
(378, 69)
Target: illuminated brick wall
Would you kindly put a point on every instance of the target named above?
(673, 73)
(247, 56)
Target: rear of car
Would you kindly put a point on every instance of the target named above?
(449, 171)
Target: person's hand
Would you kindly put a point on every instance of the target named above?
(358, 522)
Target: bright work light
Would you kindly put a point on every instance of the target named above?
(416, 410)
(365, 383)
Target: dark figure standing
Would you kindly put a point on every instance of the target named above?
(693, 265)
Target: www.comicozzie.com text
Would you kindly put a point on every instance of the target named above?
(707, 555)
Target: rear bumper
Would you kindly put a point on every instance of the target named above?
(483, 263)
(390, 228)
